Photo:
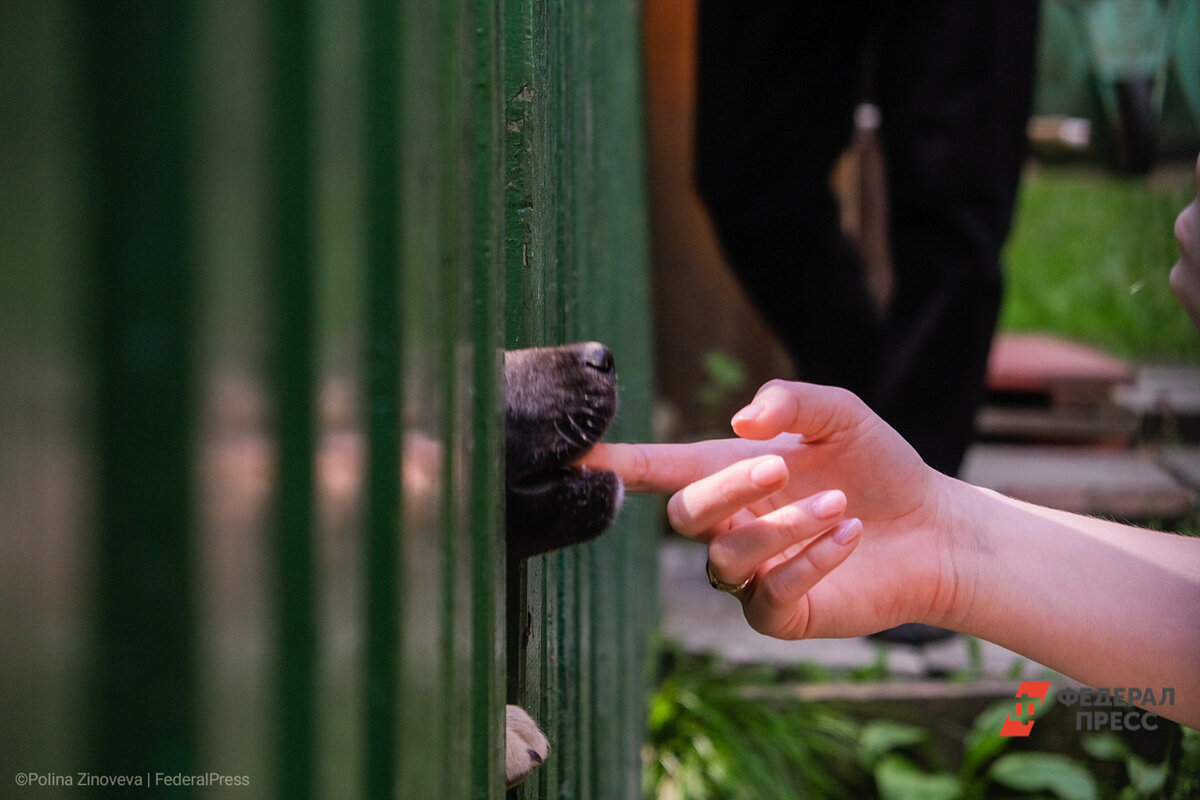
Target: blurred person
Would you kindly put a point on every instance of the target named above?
(778, 84)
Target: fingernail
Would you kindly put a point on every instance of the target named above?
(769, 471)
(748, 413)
(828, 504)
(848, 531)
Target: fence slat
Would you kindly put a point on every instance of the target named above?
(141, 212)
(384, 403)
(291, 270)
(483, 38)
(577, 270)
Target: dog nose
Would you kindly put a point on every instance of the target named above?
(597, 356)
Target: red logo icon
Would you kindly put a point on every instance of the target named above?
(1030, 697)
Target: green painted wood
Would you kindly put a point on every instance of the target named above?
(384, 403)
(46, 384)
(140, 259)
(484, 43)
(1068, 81)
(577, 259)
(256, 457)
(292, 272)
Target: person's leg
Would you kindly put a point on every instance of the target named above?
(778, 81)
(955, 85)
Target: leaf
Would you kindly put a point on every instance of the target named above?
(1035, 772)
(1105, 747)
(724, 370)
(897, 778)
(1149, 779)
(983, 742)
(880, 737)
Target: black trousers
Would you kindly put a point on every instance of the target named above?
(778, 83)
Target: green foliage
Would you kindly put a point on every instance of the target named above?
(712, 735)
(1146, 779)
(984, 742)
(888, 749)
(706, 741)
(897, 778)
(880, 737)
(1187, 776)
(1088, 259)
(1037, 772)
(725, 378)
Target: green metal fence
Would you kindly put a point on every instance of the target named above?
(258, 261)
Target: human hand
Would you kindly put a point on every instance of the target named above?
(823, 505)
(1185, 275)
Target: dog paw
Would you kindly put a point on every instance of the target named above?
(525, 745)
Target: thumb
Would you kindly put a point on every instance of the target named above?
(814, 411)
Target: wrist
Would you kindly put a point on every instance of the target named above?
(958, 534)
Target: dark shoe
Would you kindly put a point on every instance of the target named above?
(912, 633)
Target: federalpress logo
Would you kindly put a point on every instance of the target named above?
(1031, 696)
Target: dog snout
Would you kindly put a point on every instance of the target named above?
(597, 356)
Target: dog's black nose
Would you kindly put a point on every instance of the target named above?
(597, 356)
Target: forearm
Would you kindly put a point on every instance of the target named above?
(1107, 604)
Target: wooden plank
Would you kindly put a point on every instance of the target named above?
(1125, 485)
(382, 622)
(577, 255)
(483, 44)
(291, 271)
(1066, 373)
(141, 258)
(1003, 423)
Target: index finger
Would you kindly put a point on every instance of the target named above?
(667, 468)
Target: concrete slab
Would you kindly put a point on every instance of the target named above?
(1162, 390)
(1183, 464)
(1124, 484)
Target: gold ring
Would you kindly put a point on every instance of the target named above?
(720, 585)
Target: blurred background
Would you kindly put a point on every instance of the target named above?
(1114, 138)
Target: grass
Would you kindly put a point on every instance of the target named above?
(1089, 256)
